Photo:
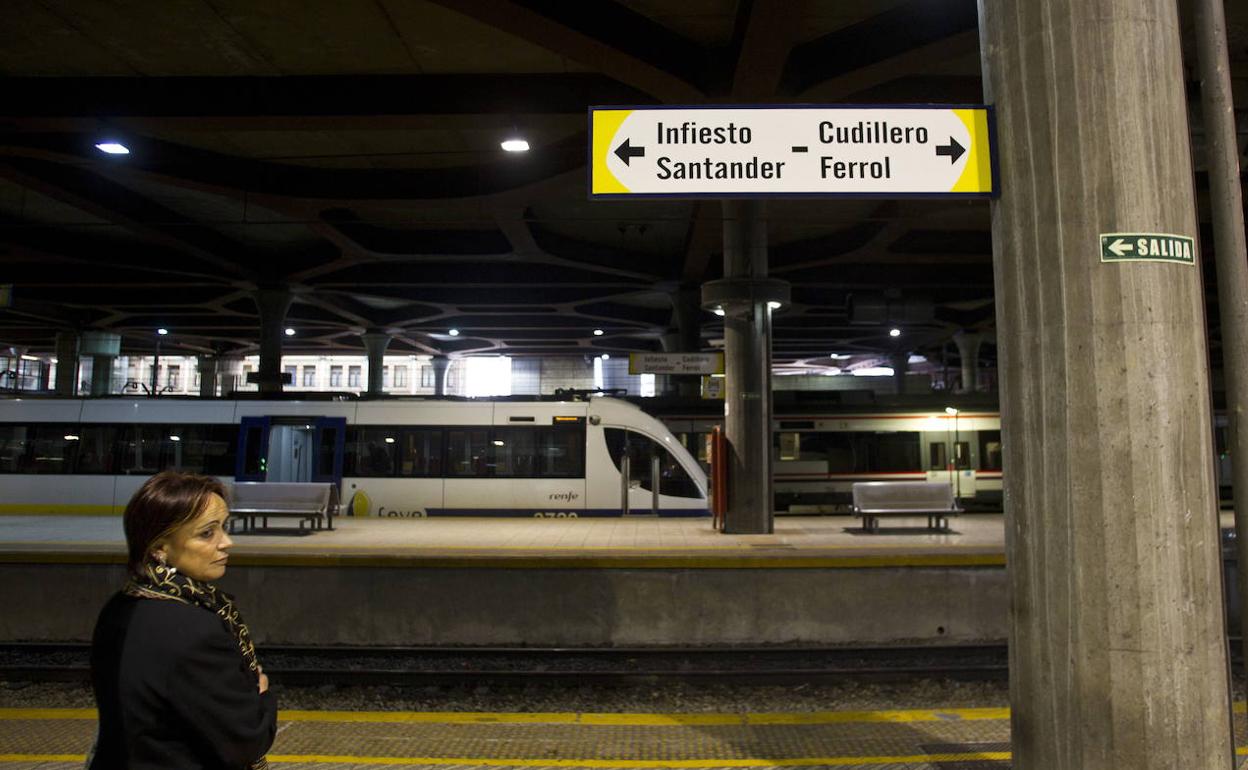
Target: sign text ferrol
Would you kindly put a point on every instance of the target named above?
(791, 150)
(1147, 247)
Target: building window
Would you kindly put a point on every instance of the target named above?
(400, 376)
(335, 376)
(426, 377)
(385, 376)
(175, 377)
(309, 376)
(291, 373)
(353, 376)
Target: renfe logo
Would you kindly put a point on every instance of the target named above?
(568, 496)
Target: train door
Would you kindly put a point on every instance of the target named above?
(638, 459)
(290, 452)
(328, 441)
(253, 449)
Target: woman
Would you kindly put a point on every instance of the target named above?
(174, 670)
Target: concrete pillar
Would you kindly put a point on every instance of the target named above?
(440, 365)
(102, 375)
(273, 304)
(66, 364)
(968, 351)
(1118, 655)
(687, 336)
(375, 343)
(901, 364)
(207, 376)
(744, 296)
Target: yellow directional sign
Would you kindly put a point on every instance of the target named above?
(817, 150)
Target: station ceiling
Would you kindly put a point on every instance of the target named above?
(349, 150)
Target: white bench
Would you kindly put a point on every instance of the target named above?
(314, 505)
(935, 500)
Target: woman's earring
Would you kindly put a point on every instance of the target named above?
(160, 557)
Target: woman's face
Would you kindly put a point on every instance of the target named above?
(199, 548)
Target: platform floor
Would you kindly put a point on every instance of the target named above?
(952, 739)
(795, 536)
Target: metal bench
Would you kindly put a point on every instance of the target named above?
(313, 505)
(874, 499)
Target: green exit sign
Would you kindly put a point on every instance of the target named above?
(1147, 247)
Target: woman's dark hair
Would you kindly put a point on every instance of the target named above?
(165, 502)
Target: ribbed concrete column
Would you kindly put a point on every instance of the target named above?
(1117, 650)
(66, 364)
(901, 365)
(375, 343)
(968, 351)
(207, 376)
(743, 296)
(273, 304)
(440, 365)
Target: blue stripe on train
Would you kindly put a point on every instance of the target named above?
(533, 513)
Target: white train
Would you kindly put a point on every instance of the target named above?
(391, 458)
(817, 456)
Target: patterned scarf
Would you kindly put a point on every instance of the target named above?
(159, 581)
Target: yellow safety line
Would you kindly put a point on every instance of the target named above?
(570, 718)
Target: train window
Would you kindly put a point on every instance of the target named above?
(515, 452)
(350, 452)
(13, 444)
(673, 479)
(990, 450)
(962, 455)
(561, 452)
(468, 452)
(938, 456)
(96, 446)
(421, 453)
(48, 448)
(253, 461)
(198, 448)
(377, 450)
(138, 451)
(790, 446)
(896, 452)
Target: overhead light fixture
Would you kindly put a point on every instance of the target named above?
(389, 439)
(175, 438)
(873, 371)
(162, 331)
(598, 332)
(70, 437)
(28, 358)
(290, 332)
(774, 305)
(453, 332)
(515, 144)
(894, 332)
(499, 442)
(112, 148)
(949, 410)
(719, 311)
(605, 356)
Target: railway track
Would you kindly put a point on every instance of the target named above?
(519, 667)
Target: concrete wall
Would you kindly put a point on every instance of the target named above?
(549, 607)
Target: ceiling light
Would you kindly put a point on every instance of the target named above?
(389, 439)
(28, 358)
(774, 305)
(873, 371)
(290, 332)
(598, 332)
(949, 410)
(719, 311)
(175, 438)
(515, 144)
(499, 442)
(162, 331)
(605, 356)
(71, 437)
(454, 332)
(894, 332)
(113, 148)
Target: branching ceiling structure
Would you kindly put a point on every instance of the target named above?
(349, 151)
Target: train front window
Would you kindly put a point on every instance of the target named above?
(674, 480)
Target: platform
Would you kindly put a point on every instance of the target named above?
(799, 542)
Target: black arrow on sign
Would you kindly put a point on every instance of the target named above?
(953, 150)
(624, 152)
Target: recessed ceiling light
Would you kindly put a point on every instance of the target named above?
(290, 332)
(162, 331)
(453, 332)
(719, 311)
(774, 305)
(598, 332)
(113, 148)
(606, 356)
(515, 145)
(894, 332)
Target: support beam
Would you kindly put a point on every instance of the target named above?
(375, 343)
(102, 375)
(207, 376)
(901, 364)
(273, 305)
(1118, 654)
(968, 351)
(66, 364)
(440, 365)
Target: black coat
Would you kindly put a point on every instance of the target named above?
(173, 690)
